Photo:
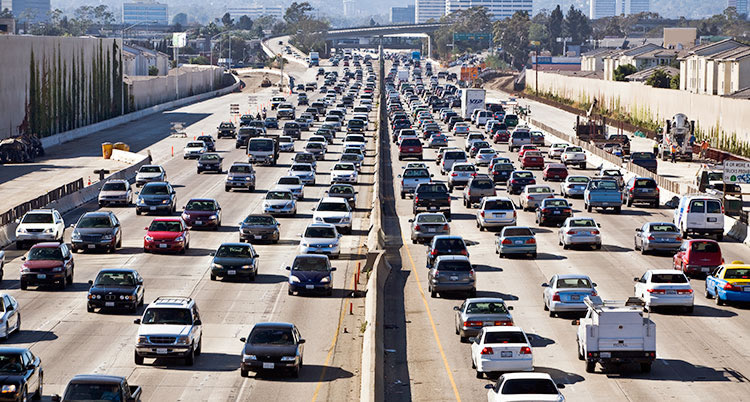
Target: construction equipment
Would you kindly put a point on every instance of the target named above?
(678, 132)
(594, 128)
(20, 149)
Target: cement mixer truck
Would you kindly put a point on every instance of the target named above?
(678, 131)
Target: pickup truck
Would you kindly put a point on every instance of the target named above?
(574, 155)
(411, 178)
(602, 193)
(97, 387)
(614, 332)
(646, 160)
(432, 197)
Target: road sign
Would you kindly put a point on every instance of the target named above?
(736, 172)
(234, 108)
(459, 36)
(179, 39)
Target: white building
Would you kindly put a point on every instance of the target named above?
(498, 9)
(635, 6)
(426, 10)
(137, 60)
(740, 5)
(146, 12)
(256, 11)
(602, 8)
(699, 68)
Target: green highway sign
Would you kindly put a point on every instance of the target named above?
(459, 36)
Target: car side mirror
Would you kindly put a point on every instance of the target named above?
(575, 322)
(288, 268)
(594, 284)
(457, 308)
(510, 307)
(489, 386)
(243, 340)
(91, 283)
(638, 230)
(545, 285)
(333, 268)
(137, 321)
(635, 279)
(472, 339)
(301, 341)
(560, 386)
(212, 254)
(598, 225)
(23, 258)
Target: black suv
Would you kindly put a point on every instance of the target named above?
(432, 197)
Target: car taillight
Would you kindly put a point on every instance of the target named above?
(684, 291)
(454, 174)
(730, 286)
(417, 228)
(568, 211)
(594, 232)
(525, 350)
(593, 293)
(474, 174)
(657, 291)
(678, 238)
(514, 214)
(530, 241)
(556, 297)
(446, 227)
(416, 198)
(571, 232)
(632, 189)
(472, 323)
(545, 210)
(464, 252)
(433, 253)
(507, 241)
(503, 323)
(481, 213)
(651, 238)
(487, 351)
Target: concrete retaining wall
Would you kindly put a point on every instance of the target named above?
(372, 387)
(148, 91)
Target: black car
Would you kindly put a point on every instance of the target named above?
(97, 230)
(641, 190)
(432, 197)
(400, 124)
(445, 245)
(244, 134)
(259, 227)
(501, 172)
(210, 162)
(97, 387)
(553, 211)
(209, 140)
(21, 375)
(157, 196)
(646, 160)
(292, 129)
(355, 126)
(116, 288)
(520, 179)
(226, 129)
(272, 346)
(234, 260)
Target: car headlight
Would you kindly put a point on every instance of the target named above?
(165, 201)
(21, 230)
(180, 238)
(293, 279)
(98, 297)
(288, 358)
(249, 357)
(217, 266)
(107, 237)
(333, 245)
(346, 219)
(212, 217)
(183, 340)
(57, 269)
(246, 266)
(305, 244)
(325, 279)
(8, 389)
(148, 238)
(50, 230)
(318, 219)
(140, 201)
(76, 236)
(185, 216)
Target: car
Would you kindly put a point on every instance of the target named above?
(438, 140)
(451, 273)
(476, 146)
(657, 236)
(286, 144)
(210, 162)
(537, 138)
(156, 197)
(240, 175)
(171, 328)
(698, 257)
(96, 230)
(427, 225)
(357, 140)
(280, 202)
(729, 283)
(478, 187)
(501, 349)
(259, 227)
(555, 171)
(526, 148)
(553, 211)
(203, 213)
(565, 293)
(293, 184)
(445, 245)
(318, 149)
(574, 186)
(115, 191)
(484, 156)
(580, 231)
(524, 387)
(532, 159)
(345, 191)
(22, 374)
(292, 129)
(556, 150)
(271, 122)
(234, 260)
(603, 194)
(116, 288)
(244, 134)
(412, 177)
(285, 111)
(305, 172)
(449, 157)
(310, 273)
(574, 155)
(49, 263)
(500, 172)
(39, 225)
(320, 238)
(471, 138)
(515, 240)
(10, 316)
(533, 195)
(475, 313)
(167, 234)
(646, 160)
(93, 387)
(432, 197)
(410, 148)
(209, 141)
(149, 173)
(641, 190)
(460, 174)
(519, 137)
(352, 158)
(336, 211)
(226, 129)
(461, 129)
(344, 173)
(699, 214)
(611, 174)
(518, 180)
(272, 347)
(277, 100)
(664, 288)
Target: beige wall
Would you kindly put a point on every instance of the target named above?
(191, 80)
(719, 114)
(675, 38)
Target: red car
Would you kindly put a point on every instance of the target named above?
(47, 264)
(501, 136)
(532, 159)
(524, 149)
(698, 257)
(555, 171)
(202, 212)
(410, 148)
(167, 234)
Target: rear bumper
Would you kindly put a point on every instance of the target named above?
(563, 307)
(505, 365)
(255, 366)
(511, 249)
(453, 287)
(629, 356)
(731, 295)
(48, 278)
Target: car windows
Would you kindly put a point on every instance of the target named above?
(432, 188)
(302, 168)
(538, 190)
(737, 273)
(698, 206)
(581, 223)
(453, 244)
(158, 189)
(150, 169)
(170, 316)
(200, 205)
(416, 173)
(556, 203)
(645, 183)
(713, 207)
(431, 218)
(464, 168)
(506, 205)
(454, 155)
(603, 185)
(38, 218)
(165, 226)
(572, 283)
(669, 278)
(411, 142)
(578, 179)
(454, 265)
(333, 206)
(504, 337)
(704, 247)
(289, 180)
(486, 308)
(523, 175)
(517, 232)
(95, 222)
(45, 253)
(521, 135)
(234, 251)
(573, 149)
(271, 336)
(241, 169)
(483, 184)
(279, 195)
(529, 386)
(259, 220)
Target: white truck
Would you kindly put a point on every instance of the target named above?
(314, 59)
(616, 332)
(678, 132)
(403, 75)
(471, 99)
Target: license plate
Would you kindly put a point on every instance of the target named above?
(489, 323)
(518, 242)
(575, 297)
(309, 286)
(712, 219)
(41, 276)
(257, 237)
(583, 233)
(153, 208)
(506, 353)
(432, 230)
(109, 304)
(231, 272)
(671, 292)
(500, 215)
(454, 278)
(433, 208)
(198, 222)
(268, 365)
(704, 269)
(606, 355)
(161, 351)
(163, 245)
(91, 246)
(556, 212)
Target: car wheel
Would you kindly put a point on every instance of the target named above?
(137, 359)
(598, 246)
(719, 302)
(590, 366)
(244, 373)
(645, 367)
(618, 210)
(719, 237)
(40, 389)
(290, 292)
(89, 308)
(190, 358)
(24, 285)
(552, 313)
(199, 349)
(480, 374)
(137, 211)
(227, 189)
(706, 293)
(24, 395)
(588, 208)
(565, 246)
(433, 293)
(213, 277)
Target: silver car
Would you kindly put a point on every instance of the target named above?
(657, 236)
(293, 184)
(427, 225)
(565, 293)
(496, 212)
(532, 196)
(116, 192)
(305, 171)
(452, 273)
(479, 312)
(460, 175)
(574, 186)
(580, 231)
(280, 202)
(240, 175)
(320, 238)
(286, 144)
(149, 173)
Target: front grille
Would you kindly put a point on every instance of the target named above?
(153, 202)
(162, 339)
(269, 359)
(331, 220)
(110, 297)
(35, 230)
(91, 238)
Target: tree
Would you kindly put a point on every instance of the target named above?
(513, 35)
(244, 23)
(538, 29)
(180, 18)
(554, 29)
(6, 14)
(576, 26)
(674, 83)
(658, 79)
(297, 12)
(621, 72)
(471, 20)
(227, 20)
(153, 70)
(372, 22)
(199, 60)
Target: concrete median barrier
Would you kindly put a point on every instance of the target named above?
(372, 386)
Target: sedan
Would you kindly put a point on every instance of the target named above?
(280, 202)
(259, 227)
(564, 293)
(320, 238)
(438, 140)
(664, 288)
(116, 288)
(501, 349)
(202, 212)
(345, 191)
(657, 236)
(293, 184)
(479, 312)
(21, 373)
(344, 173)
(149, 173)
(311, 273)
(210, 162)
(115, 192)
(580, 231)
(47, 264)
(167, 234)
(532, 196)
(574, 186)
(518, 180)
(305, 172)
(156, 197)
(553, 211)
(427, 225)
(516, 240)
(272, 347)
(234, 260)
(9, 315)
(484, 156)
(524, 387)
(97, 230)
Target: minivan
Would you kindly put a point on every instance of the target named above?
(697, 214)
(450, 158)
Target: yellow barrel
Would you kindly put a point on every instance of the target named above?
(106, 150)
(122, 146)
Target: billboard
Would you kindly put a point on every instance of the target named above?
(179, 39)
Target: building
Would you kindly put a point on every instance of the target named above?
(137, 60)
(426, 10)
(602, 8)
(641, 57)
(642, 76)
(733, 70)
(146, 12)
(634, 6)
(348, 8)
(256, 11)
(680, 38)
(740, 5)
(7, 26)
(402, 15)
(699, 67)
(31, 11)
(594, 60)
(498, 9)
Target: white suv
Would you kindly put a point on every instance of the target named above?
(336, 211)
(39, 225)
(170, 328)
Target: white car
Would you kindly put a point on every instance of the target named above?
(484, 156)
(664, 288)
(305, 171)
(580, 231)
(149, 173)
(356, 140)
(525, 387)
(533, 195)
(10, 316)
(320, 238)
(344, 173)
(170, 328)
(39, 225)
(574, 155)
(556, 150)
(194, 149)
(336, 211)
(495, 212)
(471, 138)
(280, 202)
(286, 144)
(501, 349)
(293, 184)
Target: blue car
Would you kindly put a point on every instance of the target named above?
(311, 273)
(516, 240)
(271, 122)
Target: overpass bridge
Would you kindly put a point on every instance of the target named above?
(390, 36)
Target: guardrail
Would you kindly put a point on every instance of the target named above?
(39, 202)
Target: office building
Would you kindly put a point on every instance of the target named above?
(145, 13)
(256, 11)
(426, 10)
(31, 11)
(602, 8)
(402, 15)
(635, 6)
(498, 9)
(740, 5)
(348, 8)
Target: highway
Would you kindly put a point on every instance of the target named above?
(71, 341)
(700, 357)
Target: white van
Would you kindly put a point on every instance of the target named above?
(450, 158)
(482, 118)
(700, 214)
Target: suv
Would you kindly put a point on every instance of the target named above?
(171, 327)
(410, 148)
(519, 138)
(39, 225)
(641, 189)
(698, 214)
(47, 263)
(452, 273)
(479, 186)
(445, 245)
(241, 175)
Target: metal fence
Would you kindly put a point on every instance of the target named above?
(39, 202)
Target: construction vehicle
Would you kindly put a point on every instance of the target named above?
(594, 128)
(21, 149)
(678, 131)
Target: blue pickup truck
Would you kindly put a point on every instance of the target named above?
(603, 194)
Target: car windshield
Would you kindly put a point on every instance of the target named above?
(642, 155)
(737, 273)
(520, 135)
(532, 154)
(94, 222)
(158, 189)
(302, 168)
(234, 251)
(507, 232)
(486, 308)
(310, 264)
(411, 142)
(116, 186)
(705, 247)
(662, 227)
(169, 316)
(572, 283)
(432, 188)
(578, 179)
(611, 173)
(505, 205)
(209, 157)
(482, 184)
(504, 337)
(349, 158)
(271, 336)
(455, 155)
(200, 205)
(502, 167)
(669, 278)
(205, 139)
(150, 169)
(10, 363)
(262, 145)
(555, 203)
(573, 149)
(279, 195)
(582, 223)
(344, 166)
(289, 180)
(333, 206)
(320, 232)
(259, 220)
(314, 145)
(529, 386)
(92, 392)
(38, 218)
(165, 226)
(648, 183)
(538, 190)
(44, 253)
(241, 169)
(115, 279)
(523, 175)
(431, 218)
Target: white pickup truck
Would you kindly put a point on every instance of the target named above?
(616, 332)
(574, 155)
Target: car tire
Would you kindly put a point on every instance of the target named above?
(137, 359)
(718, 300)
(618, 210)
(646, 367)
(588, 208)
(690, 309)
(227, 189)
(137, 211)
(719, 237)
(629, 202)
(40, 389)
(433, 294)
(199, 349)
(23, 285)
(480, 375)
(598, 247)
(590, 366)
(244, 373)
(533, 255)
(89, 309)
(190, 358)
(565, 246)
(552, 313)
(706, 293)
(19, 245)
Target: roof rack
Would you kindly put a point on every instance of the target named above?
(173, 299)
